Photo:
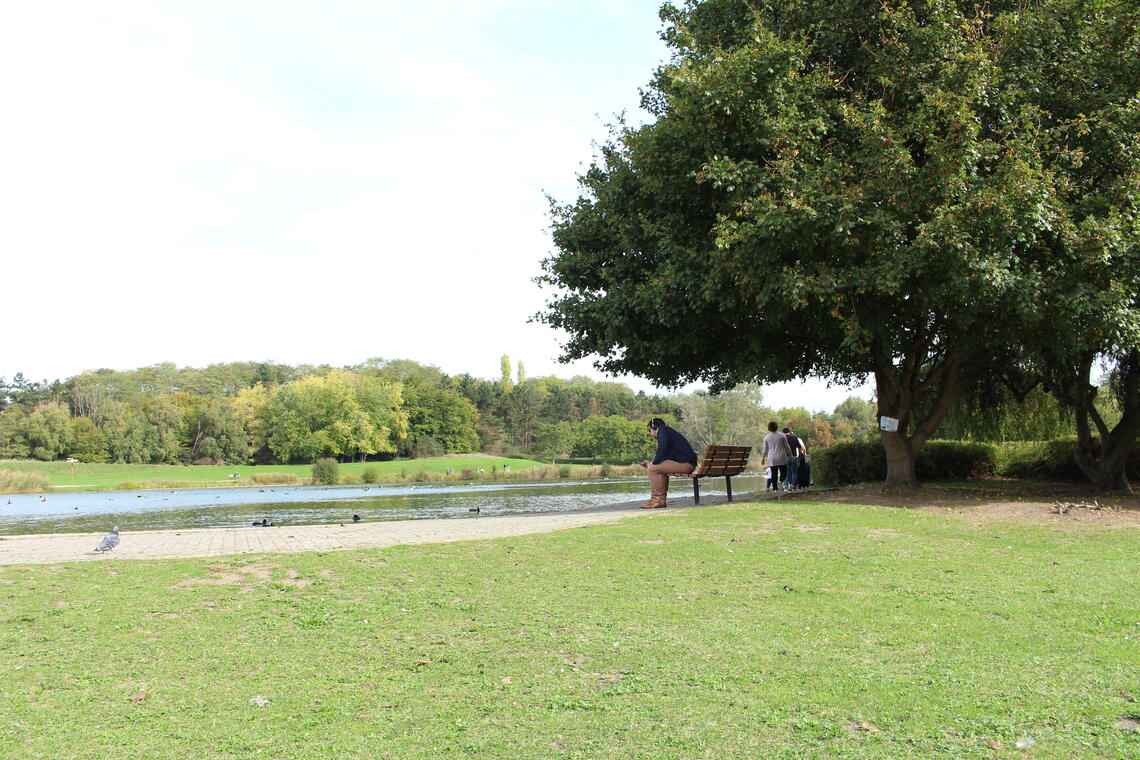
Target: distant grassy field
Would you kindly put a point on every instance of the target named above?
(82, 475)
(748, 631)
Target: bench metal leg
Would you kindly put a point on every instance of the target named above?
(728, 483)
(696, 491)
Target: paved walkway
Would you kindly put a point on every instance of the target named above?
(209, 542)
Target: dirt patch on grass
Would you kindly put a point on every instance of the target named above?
(1000, 499)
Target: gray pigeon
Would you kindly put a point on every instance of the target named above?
(110, 541)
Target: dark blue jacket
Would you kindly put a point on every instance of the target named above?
(672, 445)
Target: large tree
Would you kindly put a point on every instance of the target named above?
(834, 189)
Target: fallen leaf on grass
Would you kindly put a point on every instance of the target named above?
(136, 698)
(993, 744)
(870, 728)
(424, 662)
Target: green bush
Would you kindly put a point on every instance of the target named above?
(1052, 460)
(866, 462)
(851, 462)
(955, 460)
(326, 470)
(370, 475)
(564, 471)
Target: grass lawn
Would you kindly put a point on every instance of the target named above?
(762, 630)
(84, 476)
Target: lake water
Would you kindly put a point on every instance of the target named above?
(92, 512)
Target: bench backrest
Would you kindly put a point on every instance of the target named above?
(723, 460)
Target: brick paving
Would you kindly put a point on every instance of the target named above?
(208, 542)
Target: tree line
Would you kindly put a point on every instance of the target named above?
(268, 413)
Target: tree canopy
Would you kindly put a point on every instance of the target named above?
(848, 188)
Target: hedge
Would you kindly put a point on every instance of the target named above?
(866, 461)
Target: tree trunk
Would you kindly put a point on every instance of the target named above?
(898, 389)
(1106, 468)
(900, 461)
(1103, 462)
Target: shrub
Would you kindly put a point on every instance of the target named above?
(866, 462)
(466, 473)
(852, 462)
(326, 470)
(607, 470)
(17, 481)
(274, 479)
(370, 475)
(1052, 460)
(564, 471)
(955, 460)
(128, 485)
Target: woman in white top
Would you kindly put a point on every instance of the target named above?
(776, 452)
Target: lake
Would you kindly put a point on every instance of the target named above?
(93, 512)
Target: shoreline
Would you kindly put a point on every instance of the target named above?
(56, 548)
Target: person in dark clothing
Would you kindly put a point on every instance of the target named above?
(674, 457)
(796, 447)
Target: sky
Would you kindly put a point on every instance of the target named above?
(304, 182)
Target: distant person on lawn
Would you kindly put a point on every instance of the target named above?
(674, 457)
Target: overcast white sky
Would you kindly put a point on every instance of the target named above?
(302, 182)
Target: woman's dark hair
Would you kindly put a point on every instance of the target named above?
(773, 427)
(656, 423)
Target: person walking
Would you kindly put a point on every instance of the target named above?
(775, 452)
(674, 457)
(797, 448)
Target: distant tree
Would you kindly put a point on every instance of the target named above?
(403, 370)
(484, 394)
(855, 418)
(382, 400)
(130, 438)
(555, 439)
(48, 431)
(251, 408)
(443, 415)
(343, 414)
(168, 418)
(88, 444)
(424, 446)
(613, 437)
(505, 372)
(523, 406)
(735, 417)
(13, 445)
(492, 435)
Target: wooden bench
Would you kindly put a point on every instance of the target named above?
(719, 461)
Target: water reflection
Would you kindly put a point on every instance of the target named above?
(310, 505)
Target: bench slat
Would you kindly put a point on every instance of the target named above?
(719, 461)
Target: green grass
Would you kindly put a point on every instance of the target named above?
(769, 630)
(86, 476)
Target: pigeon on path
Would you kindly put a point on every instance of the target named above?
(110, 541)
